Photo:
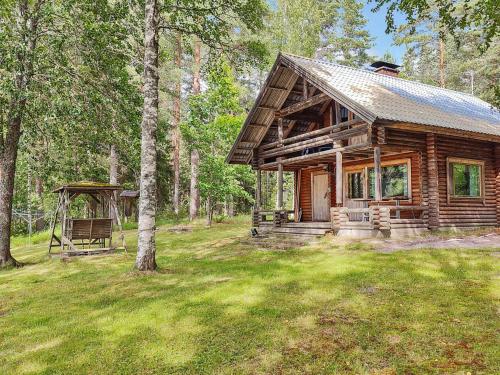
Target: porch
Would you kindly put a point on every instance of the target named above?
(378, 220)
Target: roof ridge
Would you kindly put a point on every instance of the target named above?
(387, 76)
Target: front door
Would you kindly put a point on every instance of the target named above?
(320, 201)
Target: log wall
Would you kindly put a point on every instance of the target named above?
(429, 185)
(497, 163)
(463, 212)
(434, 149)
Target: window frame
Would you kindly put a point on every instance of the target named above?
(451, 183)
(366, 184)
(363, 184)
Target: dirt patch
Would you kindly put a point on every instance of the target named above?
(491, 240)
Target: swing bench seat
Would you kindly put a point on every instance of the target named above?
(92, 230)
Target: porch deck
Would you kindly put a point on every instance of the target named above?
(373, 221)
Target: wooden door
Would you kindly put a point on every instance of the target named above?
(320, 201)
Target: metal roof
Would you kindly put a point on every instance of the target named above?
(397, 99)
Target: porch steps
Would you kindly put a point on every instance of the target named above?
(302, 231)
(307, 229)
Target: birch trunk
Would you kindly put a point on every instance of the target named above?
(194, 194)
(113, 178)
(146, 247)
(176, 138)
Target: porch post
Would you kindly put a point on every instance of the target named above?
(258, 190)
(280, 184)
(378, 173)
(338, 179)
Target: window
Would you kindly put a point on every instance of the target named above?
(394, 181)
(465, 177)
(355, 185)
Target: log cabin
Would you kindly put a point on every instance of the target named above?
(372, 154)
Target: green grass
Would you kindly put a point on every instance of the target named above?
(220, 306)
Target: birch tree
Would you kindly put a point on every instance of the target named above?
(214, 22)
(147, 202)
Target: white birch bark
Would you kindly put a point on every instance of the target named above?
(146, 247)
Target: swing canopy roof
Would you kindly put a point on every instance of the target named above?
(87, 187)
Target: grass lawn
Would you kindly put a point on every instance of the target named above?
(217, 305)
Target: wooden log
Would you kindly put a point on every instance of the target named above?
(378, 173)
(338, 178)
(315, 142)
(280, 132)
(311, 134)
(297, 107)
(497, 181)
(433, 181)
(258, 190)
(280, 184)
(317, 155)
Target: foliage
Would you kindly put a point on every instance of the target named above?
(331, 30)
(452, 16)
(347, 41)
(212, 126)
(466, 68)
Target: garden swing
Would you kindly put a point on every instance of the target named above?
(93, 233)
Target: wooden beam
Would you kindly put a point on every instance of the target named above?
(378, 173)
(440, 130)
(280, 131)
(305, 117)
(258, 190)
(289, 128)
(317, 155)
(314, 133)
(336, 136)
(280, 185)
(338, 178)
(296, 107)
(338, 119)
(305, 93)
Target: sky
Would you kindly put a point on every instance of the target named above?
(382, 42)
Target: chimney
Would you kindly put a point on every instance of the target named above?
(386, 68)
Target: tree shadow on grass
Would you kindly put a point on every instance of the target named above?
(239, 310)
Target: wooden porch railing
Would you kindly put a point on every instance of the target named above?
(273, 218)
(379, 217)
